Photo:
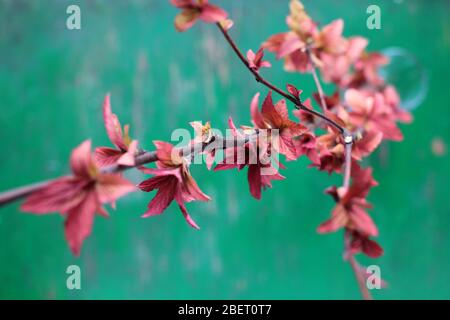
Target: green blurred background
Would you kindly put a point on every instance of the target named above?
(53, 80)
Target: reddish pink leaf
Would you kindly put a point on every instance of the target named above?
(254, 180)
(78, 224)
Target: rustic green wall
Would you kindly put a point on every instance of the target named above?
(52, 82)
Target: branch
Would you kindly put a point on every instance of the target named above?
(21, 192)
(360, 279)
(297, 102)
(348, 142)
(357, 270)
(348, 137)
(323, 103)
(141, 159)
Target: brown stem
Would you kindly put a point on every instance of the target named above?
(323, 103)
(319, 88)
(356, 269)
(348, 138)
(348, 162)
(348, 142)
(297, 102)
(18, 193)
(360, 279)
(141, 159)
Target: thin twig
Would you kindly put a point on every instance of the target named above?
(348, 142)
(323, 103)
(297, 102)
(143, 158)
(356, 269)
(21, 192)
(348, 162)
(360, 279)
